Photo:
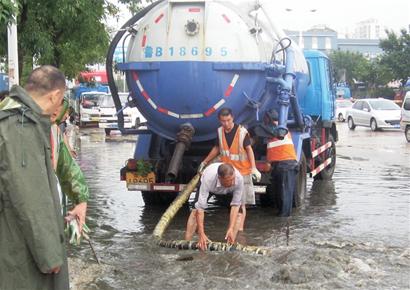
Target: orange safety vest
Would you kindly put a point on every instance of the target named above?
(280, 150)
(236, 154)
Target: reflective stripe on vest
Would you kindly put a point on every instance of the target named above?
(236, 154)
(280, 150)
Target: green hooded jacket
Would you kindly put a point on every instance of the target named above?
(31, 223)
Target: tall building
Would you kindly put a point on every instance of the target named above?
(369, 29)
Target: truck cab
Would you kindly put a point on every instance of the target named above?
(88, 107)
(85, 100)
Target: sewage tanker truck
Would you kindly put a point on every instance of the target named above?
(188, 59)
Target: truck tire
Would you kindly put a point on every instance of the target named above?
(327, 173)
(270, 198)
(407, 133)
(107, 131)
(350, 123)
(301, 182)
(373, 125)
(156, 198)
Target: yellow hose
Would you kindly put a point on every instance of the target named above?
(190, 245)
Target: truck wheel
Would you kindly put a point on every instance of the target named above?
(270, 198)
(327, 173)
(340, 118)
(300, 189)
(407, 133)
(350, 123)
(107, 131)
(373, 125)
(156, 198)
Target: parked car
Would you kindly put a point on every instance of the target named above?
(374, 113)
(341, 106)
(108, 114)
(405, 116)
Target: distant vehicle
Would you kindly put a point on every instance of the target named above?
(341, 106)
(374, 113)
(93, 77)
(88, 107)
(108, 114)
(405, 116)
(4, 82)
(343, 91)
(84, 98)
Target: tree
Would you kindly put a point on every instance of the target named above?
(352, 64)
(65, 33)
(136, 5)
(396, 54)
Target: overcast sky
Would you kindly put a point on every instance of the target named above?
(338, 15)
(394, 14)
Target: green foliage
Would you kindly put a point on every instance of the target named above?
(385, 92)
(7, 10)
(143, 167)
(356, 67)
(69, 34)
(352, 64)
(397, 54)
(136, 5)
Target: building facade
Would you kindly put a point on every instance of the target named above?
(325, 39)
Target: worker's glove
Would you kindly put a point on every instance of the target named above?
(256, 175)
(201, 167)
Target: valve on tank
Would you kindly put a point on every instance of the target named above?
(192, 27)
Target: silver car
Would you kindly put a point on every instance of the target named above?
(374, 113)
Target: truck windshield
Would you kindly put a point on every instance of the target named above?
(91, 100)
(106, 102)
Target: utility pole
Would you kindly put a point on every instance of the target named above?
(13, 60)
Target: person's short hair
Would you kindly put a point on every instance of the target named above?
(225, 169)
(45, 79)
(225, 112)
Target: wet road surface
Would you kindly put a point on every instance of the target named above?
(352, 232)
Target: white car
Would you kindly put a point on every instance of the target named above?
(405, 116)
(341, 106)
(108, 114)
(374, 113)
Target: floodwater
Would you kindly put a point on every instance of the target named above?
(352, 232)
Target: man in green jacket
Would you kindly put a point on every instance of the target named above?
(32, 254)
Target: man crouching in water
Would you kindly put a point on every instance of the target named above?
(217, 178)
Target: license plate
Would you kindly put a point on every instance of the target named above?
(133, 177)
(396, 126)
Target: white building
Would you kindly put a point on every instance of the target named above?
(369, 29)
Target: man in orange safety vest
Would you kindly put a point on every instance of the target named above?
(233, 145)
(281, 154)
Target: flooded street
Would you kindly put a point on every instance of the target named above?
(351, 232)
